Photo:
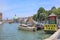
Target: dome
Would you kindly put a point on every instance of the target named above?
(15, 17)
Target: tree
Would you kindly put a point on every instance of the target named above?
(49, 12)
(39, 12)
(43, 14)
(35, 17)
(53, 8)
(58, 12)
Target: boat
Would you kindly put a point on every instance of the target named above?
(39, 27)
(10, 21)
(26, 27)
(1, 22)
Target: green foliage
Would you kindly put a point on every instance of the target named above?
(40, 13)
(53, 8)
(43, 14)
(41, 10)
(35, 17)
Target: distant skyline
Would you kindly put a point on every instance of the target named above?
(25, 8)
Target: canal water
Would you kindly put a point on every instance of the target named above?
(11, 32)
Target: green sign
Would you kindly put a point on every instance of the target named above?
(51, 21)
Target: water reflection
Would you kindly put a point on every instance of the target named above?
(1, 31)
(11, 32)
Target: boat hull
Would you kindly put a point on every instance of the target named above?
(27, 28)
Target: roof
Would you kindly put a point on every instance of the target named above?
(52, 14)
(15, 17)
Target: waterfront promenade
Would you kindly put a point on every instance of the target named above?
(55, 36)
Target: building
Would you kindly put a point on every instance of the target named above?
(9, 21)
(0, 16)
(16, 19)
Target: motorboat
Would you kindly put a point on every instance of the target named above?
(26, 27)
(1, 22)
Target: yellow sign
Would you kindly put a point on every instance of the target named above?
(50, 27)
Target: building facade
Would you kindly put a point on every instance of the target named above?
(0, 16)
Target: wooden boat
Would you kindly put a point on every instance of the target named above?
(27, 28)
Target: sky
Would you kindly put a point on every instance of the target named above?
(25, 8)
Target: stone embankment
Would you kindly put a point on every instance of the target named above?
(54, 36)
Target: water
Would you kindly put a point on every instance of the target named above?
(11, 32)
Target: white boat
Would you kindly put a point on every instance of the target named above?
(1, 22)
(26, 27)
